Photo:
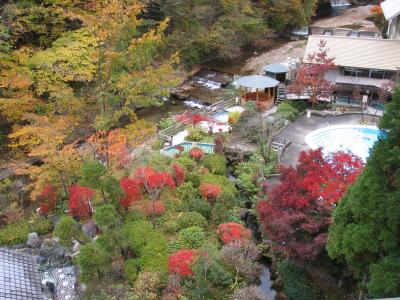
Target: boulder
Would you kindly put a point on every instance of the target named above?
(34, 240)
(58, 257)
(75, 247)
(90, 229)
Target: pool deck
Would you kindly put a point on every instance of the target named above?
(295, 132)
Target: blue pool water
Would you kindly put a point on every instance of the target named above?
(357, 139)
(171, 151)
(222, 117)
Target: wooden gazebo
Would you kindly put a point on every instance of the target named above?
(276, 71)
(258, 88)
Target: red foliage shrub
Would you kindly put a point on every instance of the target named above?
(47, 199)
(196, 153)
(180, 261)
(210, 191)
(233, 232)
(297, 215)
(151, 180)
(79, 201)
(132, 192)
(156, 207)
(179, 173)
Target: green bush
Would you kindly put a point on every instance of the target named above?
(215, 163)
(187, 191)
(297, 283)
(224, 203)
(300, 106)
(196, 134)
(186, 162)
(191, 237)
(154, 257)
(225, 184)
(189, 219)
(15, 233)
(135, 215)
(233, 117)
(194, 177)
(106, 217)
(94, 262)
(41, 225)
(199, 205)
(219, 276)
(137, 233)
(67, 229)
(287, 111)
(131, 270)
(165, 123)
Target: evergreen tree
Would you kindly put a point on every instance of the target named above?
(366, 223)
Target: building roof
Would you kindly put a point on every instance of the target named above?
(358, 52)
(391, 9)
(256, 82)
(276, 68)
(19, 276)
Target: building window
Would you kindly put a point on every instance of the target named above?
(350, 71)
(377, 74)
(362, 73)
(389, 75)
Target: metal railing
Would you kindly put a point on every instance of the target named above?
(207, 111)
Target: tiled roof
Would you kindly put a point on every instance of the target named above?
(357, 52)
(19, 276)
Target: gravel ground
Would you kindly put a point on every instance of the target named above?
(296, 49)
(293, 50)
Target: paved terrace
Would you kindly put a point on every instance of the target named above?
(295, 132)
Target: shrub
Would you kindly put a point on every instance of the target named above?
(165, 123)
(131, 270)
(226, 185)
(153, 257)
(189, 219)
(215, 163)
(210, 191)
(191, 237)
(186, 162)
(202, 207)
(94, 262)
(233, 232)
(221, 210)
(233, 117)
(194, 177)
(67, 229)
(287, 111)
(106, 217)
(41, 225)
(15, 233)
(138, 232)
(196, 153)
(196, 134)
(180, 262)
(135, 215)
(146, 286)
(187, 191)
(219, 276)
(297, 283)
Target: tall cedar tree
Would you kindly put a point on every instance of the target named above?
(366, 224)
(298, 212)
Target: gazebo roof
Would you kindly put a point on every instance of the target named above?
(256, 82)
(276, 68)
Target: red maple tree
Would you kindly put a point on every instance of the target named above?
(233, 232)
(47, 199)
(179, 173)
(297, 213)
(210, 191)
(310, 77)
(152, 183)
(79, 201)
(132, 192)
(180, 262)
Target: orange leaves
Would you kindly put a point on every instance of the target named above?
(196, 153)
(233, 232)
(180, 262)
(210, 191)
(47, 199)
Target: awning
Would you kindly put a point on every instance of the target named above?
(342, 79)
(258, 82)
(276, 68)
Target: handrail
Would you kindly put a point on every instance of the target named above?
(207, 111)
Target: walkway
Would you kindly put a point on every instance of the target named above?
(296, 131)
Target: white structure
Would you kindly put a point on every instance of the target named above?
(364, 62)
(391, 10)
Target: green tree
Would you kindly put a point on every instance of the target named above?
(94, 262)
(67, 229)
(366, 226)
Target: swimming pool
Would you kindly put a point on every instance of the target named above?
(172, 150)
(357, 139)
